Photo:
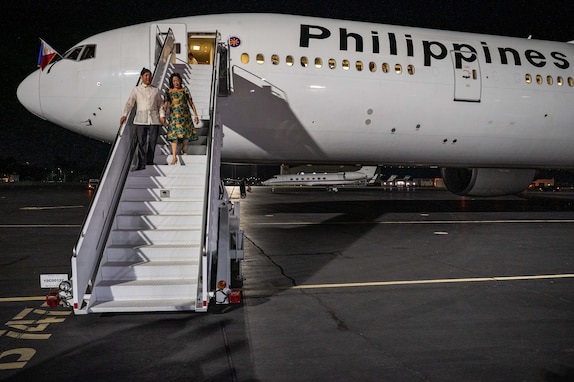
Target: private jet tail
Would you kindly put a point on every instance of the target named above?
(369, 171)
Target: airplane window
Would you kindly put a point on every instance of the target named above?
(89, 52)
(359, 65)
(560, 81)
(275, 59)
(304, 61)
(549, 80)
(332, 63)
(346, 64)
(74, 53)
(260, 58)
(244, 58)
(570, 81)
(289, 60)
(318, 62)
(528, 78)
(372, 66)
(539, 79)
(385, 67)
(398, 69)
(411, 69)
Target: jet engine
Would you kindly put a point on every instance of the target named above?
(486, 181)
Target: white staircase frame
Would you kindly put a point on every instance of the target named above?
(221, 239)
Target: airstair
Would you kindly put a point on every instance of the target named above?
(163, 238)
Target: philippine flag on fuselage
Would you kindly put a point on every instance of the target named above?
(46, 55)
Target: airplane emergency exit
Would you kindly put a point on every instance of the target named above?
(489, 110)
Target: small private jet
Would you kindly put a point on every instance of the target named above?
(488, 110)
(331, 180)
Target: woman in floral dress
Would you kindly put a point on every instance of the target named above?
(180, 128)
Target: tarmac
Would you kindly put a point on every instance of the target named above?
(361, 285)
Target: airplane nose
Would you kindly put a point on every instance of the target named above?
(28, 94)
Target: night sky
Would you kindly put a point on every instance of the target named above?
(63, 23)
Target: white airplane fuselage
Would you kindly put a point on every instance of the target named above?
(349, 92)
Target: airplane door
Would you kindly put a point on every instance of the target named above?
(467, 78)
(158, 34)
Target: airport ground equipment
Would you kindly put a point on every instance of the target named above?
(165, 238)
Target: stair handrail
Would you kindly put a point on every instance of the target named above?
(213, 191)
(87, 253)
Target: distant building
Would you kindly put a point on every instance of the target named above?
(10, 178)
(541, 183)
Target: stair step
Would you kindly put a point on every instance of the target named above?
(164, 305)
(149, 237)
(154, 252)
(107, 290)
(196, 150)
(127, 270)
(160, 207)
(164, 182)
(163, 157)
(141, 222)
(157, 194)
(193, 168)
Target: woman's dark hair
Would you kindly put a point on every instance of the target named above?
(144, 71)
(172, 77)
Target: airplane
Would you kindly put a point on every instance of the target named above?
(488, 110)
(330, 180)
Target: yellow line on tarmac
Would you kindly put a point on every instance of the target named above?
(48, 208)
(40, 225)
(435, 281)
(537, 221)
(22, 299)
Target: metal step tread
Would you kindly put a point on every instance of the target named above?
(193, 212)
(152, 246)
(143, 305)
(167, 199)
(154, 230)
(155, 263)
(145, 282)
(167, 214)
(164, 228)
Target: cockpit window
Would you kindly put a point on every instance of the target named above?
(74, 53)
(88, 52)
(80, 53)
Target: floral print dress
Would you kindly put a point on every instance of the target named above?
(180, 123)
